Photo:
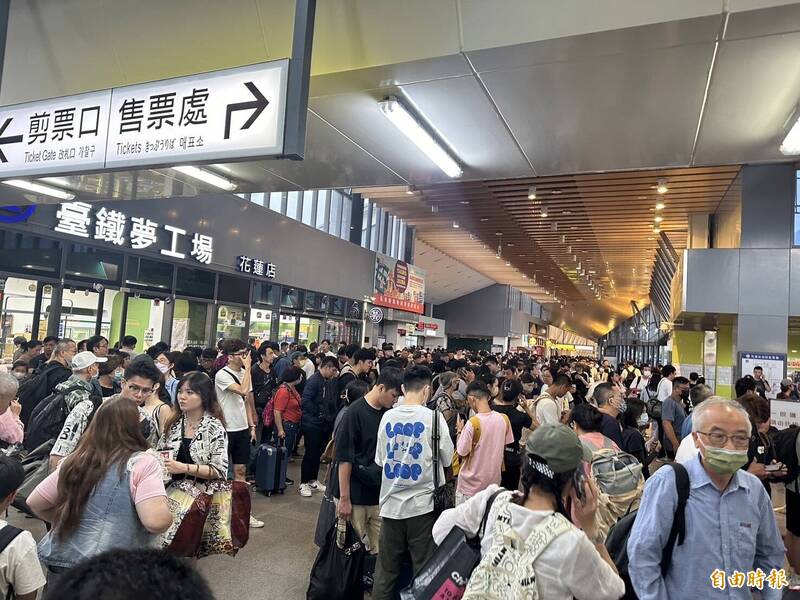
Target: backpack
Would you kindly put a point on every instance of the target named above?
(31, 391)
(652, 404)
(268, 416)
(619, 484)
(7, 535)
(49, 416)
(630, 378)
(476, 436)
(508, 568)
(617, 540)
(784, 443)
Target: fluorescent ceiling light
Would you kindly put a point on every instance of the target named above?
(39, 188)
(207, 177)
(532, 193)
(414, 131)
(791, 143)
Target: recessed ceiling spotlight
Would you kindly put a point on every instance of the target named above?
(660, 206)
(555, 192)
(465, 202)
(456, 225)
(532, 193)
(508, 264)
(567, 212)
(661, 187)
(656, 229)
(544, 212)
(658, 219)
(434, 208)
(484, 219)
(498, 233)
(510, 244)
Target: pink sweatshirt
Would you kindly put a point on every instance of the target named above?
(11, 429)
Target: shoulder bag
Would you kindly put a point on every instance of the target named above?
(444, 494)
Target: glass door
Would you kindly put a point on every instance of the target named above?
(287, 328)
(16, 313)
(231, 322)
(309, 330)
(261, 323)
(144, 320)
(189, 324)
(78, 313)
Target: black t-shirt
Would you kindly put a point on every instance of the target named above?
(611, 429)
(356, 441)
(263, 386)
(519, 420)
(761, 389)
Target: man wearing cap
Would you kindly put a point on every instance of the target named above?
(78, 389)
(788, 391)
(140, 380)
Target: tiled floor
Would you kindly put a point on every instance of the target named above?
(277, 560)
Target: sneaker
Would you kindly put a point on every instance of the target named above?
(305, 490)
(255, 523)
(316, 486)
(289, 481)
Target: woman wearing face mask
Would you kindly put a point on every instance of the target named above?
(575, 564)
(110, 375)
(634, 419)
(165, 363)
(287, 407)
(643, 381)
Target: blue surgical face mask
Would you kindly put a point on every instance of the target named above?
(118, 375)
(623, 406)
(643, 420)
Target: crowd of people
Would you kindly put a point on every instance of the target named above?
(544, 456)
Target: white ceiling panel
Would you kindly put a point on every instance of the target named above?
(627, 111)
(445, 277)
(755, 87)
(492, 24)
(592, 46)
(331, 161)
(755, 23)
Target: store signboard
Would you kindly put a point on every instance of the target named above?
(96, 222)
(229, 114)
(399, 285)
(774, 366)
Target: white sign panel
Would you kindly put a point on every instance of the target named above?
(230, 114)
(784, 413)
(773, 365)
(226, 114)
(54, 136)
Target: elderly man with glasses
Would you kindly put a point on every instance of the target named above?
(730, 528)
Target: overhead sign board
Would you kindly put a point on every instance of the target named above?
(55, 136)
(223, 115)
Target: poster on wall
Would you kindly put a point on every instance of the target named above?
(399, 285)
(784, 414)
(774, 366)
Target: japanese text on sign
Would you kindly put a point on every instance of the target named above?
(76, 218)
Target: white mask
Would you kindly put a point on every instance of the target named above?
(163, 368)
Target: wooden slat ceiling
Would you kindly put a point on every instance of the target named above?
(603, 221)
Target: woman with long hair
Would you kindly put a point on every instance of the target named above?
(107, 494)
(588, 424)
(555, 491)
(195, 431)
(288, 411)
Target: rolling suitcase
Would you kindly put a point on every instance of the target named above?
(271, 468)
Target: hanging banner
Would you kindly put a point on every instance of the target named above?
(399, 285)
(710, 359)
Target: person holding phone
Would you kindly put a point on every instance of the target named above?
(574, 564)
(761, 460)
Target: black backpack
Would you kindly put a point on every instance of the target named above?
(7, 535)
(617, 539)
(49, 416)
(630, 378)
(31, 391)
(784, 443)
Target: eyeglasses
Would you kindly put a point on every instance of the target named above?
(242, 353)
(140, 391)
(719, 439)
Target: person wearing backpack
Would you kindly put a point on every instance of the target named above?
(21, 574)
(140, 381)
(319, 405)
(77, 391)
(56, 370)
(729, 522)
(480, 444)
(551, 521)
